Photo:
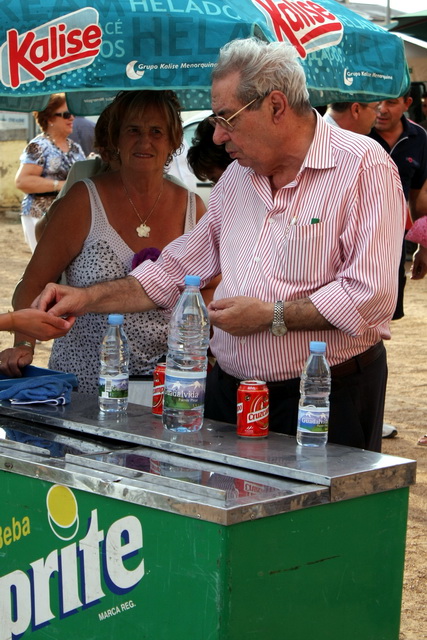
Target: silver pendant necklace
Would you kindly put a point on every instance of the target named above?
(143, 230)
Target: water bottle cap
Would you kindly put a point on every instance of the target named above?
(317, 347)
(192, 281)
(115, 319)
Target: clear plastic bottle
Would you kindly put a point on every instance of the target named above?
(114, 367)
(315, 387)
(186, 361)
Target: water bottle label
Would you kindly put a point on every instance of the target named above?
(313, 419)
(113, 386)
(184, 389)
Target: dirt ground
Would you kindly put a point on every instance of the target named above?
(405, 409)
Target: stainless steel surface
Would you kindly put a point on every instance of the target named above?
(209, 492)
(348, 472)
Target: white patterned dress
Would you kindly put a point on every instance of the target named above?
(105, 256)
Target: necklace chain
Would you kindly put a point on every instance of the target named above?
(143, 230)
(56, 144)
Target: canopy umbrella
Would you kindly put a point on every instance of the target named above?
(411, 24)
(91, 52)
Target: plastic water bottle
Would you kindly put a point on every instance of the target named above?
(186, 361)
(114, 367)
(315, 387)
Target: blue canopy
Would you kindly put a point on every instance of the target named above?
(92, 52)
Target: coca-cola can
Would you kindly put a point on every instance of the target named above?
(252, 409)
(158, 388)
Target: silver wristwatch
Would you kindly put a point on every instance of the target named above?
(278, 328)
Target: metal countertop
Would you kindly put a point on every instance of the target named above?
(347, 472)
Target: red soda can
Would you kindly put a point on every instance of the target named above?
(158, 388)
(252, 409)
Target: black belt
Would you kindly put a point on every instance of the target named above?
(359, 362)
(347, 368)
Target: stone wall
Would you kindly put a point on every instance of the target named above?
(10, 196)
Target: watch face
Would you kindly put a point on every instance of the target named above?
(279, 330)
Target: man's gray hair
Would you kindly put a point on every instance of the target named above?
(264, 67)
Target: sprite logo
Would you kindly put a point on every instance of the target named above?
(71, 578)
(61, 45)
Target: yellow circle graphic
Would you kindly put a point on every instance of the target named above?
(61, 506)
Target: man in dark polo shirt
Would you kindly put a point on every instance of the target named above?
(406, 142)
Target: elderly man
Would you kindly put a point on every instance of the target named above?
(296, 227)
(353, 116)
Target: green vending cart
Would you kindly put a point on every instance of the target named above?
(112, 527)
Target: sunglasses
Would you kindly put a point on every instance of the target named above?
(65, 114)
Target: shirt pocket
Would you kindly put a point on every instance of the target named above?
(306, 255)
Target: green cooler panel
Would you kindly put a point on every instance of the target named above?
(332, 572)
(77, 564)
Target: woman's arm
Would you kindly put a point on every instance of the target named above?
(29, 180)
(42, 222)
(38, 324)
(60, 243)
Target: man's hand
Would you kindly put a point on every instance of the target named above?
(419, 263)
(241, 316)
(40, 325)
(61, 300)
(124, 295)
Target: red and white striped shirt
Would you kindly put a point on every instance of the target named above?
(346, 263)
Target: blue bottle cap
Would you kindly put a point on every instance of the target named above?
(192, 281)
(317, 347)
(115, 319)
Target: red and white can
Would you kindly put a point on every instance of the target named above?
(252, 409)
(158, 388)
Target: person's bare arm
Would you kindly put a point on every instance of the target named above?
(419, 259)
(242, 316)
(38, 324)
(125, 295)
(419, 263)
(420, 207)
(60, 243)
(42, 222)
(29, 180)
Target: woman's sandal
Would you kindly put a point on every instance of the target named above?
(423, 441)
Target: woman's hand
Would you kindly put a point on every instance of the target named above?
(40, 325)
(13, 360)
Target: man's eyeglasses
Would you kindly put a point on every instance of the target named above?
(225, 123)
(371, 105)
(65, 114)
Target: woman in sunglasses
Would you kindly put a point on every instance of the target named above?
(45, 163)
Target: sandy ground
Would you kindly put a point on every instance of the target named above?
(405, 409)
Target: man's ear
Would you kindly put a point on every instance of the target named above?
(355, 110)
(279, 104)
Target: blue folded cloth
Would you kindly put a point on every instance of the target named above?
(42, 389)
